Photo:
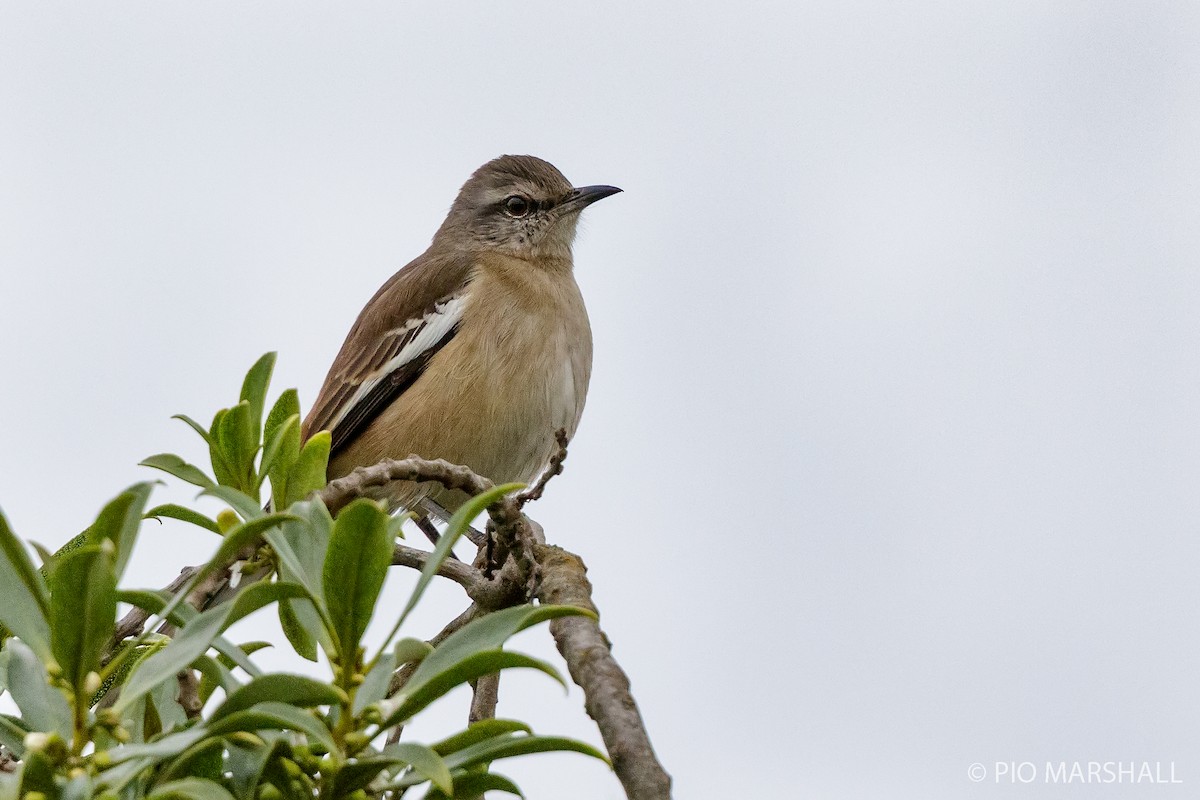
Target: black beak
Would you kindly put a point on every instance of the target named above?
(584, 196)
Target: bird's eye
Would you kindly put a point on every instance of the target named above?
(517, 206)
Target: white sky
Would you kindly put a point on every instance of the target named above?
(891, 461)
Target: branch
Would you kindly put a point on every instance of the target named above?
(486, 693)
(189, 693)
(465, 576)
(338, 493)
(605, 685)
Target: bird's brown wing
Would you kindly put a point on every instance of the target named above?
(391, 343)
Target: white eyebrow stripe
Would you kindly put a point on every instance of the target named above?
(429, 330)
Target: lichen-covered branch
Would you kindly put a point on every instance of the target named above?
(605, 685)
(339, 492)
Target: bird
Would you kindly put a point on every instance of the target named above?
(478, 350)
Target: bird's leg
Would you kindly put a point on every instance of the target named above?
(431, 532)
(433, 507)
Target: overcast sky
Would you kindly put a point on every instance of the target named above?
(891, 461)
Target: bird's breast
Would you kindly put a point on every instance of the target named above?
(535, 350)
(494, 396)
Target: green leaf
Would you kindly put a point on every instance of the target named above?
(487, 633)
(474, 784)
(275, 449)
(295, 690)
(168, 746)
(254, 389)
(196, 426)
(375, 683)
(396, 524)
(246, 763)
(174, 511)
(237, 437)
(356, 564)
(197, 636)
(416, 696)
(359, 773)
(156, 602)
(26, 607)
(410, 649)
(174, 465)
(116, 778)
(164, 698)
(78, 788)
(477, 732)
(297, 632)
(424, 762)
(222, 469)
(37, 775)
(43, 707)
(300, 554)
(214, 674)
(307, 475)
(283, 444)
(83, 611)
(301, 546)
(128, 655)
(238, 538)
(274, 716)
(218, 671)
(12, 734)
(286, 407)
(201, 760)
(379, 676)
(246, 506)
(249, 648)
(48, 558)
(249, 532)
(76, 542)
(190, 789)
(119, 522)
(517, 744)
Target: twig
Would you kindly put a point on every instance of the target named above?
(555, 467)
(465, 576)
(605, 685)
(189, 694)
(486, 693)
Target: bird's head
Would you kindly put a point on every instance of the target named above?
(521, 206)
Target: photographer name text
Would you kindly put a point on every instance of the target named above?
(1075, 772)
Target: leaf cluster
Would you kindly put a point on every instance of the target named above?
(191, 715)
